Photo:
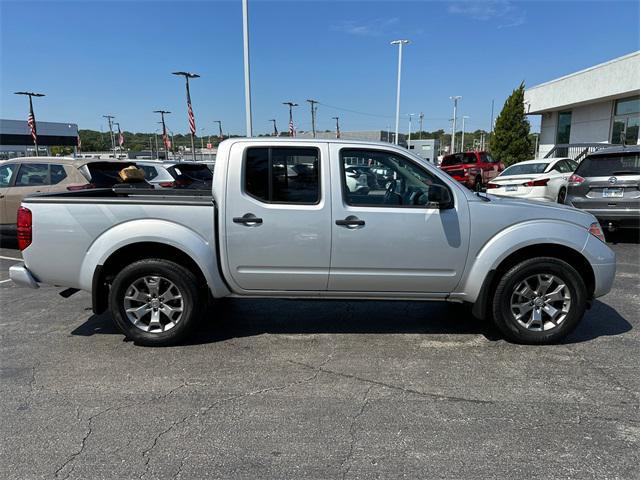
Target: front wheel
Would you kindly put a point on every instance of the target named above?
(539, 301)
(154, 302)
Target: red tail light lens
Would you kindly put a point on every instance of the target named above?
(536, 183)
(575, 180)
(24, 228)
(596, 231)
(492, 185)
(167, 184)
(86, 186)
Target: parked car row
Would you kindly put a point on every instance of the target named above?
(606, 183)
(21, 177)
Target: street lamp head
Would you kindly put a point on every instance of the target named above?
(456, 97)
(161, 111)
(291, 104)
(187, 74)
(31, 94)
(336, 118)
(400, 42)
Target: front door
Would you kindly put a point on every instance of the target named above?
(277, 217)
(386, 239)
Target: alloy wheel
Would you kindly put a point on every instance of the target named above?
(153, 304)
(540, 302)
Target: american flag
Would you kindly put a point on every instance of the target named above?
(79, 142)
(292, 131)
(337, 131)
(120, 137)
(165, 138)
(192, 120)
(31, 121)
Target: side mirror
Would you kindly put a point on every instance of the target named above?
(439, 196)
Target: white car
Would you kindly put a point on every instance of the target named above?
(544, 179)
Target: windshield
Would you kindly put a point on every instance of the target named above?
(606, 165)
(525, 169)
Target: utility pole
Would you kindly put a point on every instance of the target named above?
(275, 129)
(247, 71)
(453, 128)
(491, 125)
(337, 119)
(192, 120)
(313, 116)
(113, 143)
(292, 130)
(464, 117)
(219, 128)
(31, 119)
(421, 118)
(400, 43)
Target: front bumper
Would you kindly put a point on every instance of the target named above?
(22, 277)
(603, 262)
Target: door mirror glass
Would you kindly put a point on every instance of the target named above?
(438, 196)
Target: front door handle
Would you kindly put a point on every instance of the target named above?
(248, 219)
(350, 221)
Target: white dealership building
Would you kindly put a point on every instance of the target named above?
(600, 104)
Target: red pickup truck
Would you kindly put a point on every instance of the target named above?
(473, 169)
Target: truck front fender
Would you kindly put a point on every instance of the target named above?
(202, 251)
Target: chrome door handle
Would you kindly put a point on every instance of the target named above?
(248, 219)
(350, 221)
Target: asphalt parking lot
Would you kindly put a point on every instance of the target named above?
(307, 389)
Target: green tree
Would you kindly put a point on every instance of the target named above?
(510, 142)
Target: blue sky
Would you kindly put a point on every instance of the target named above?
(95, 57)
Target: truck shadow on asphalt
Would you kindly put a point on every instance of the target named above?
(232, 318)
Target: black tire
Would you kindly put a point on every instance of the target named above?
(562, 195)
(187, 285)
(505, 320)
(478, 187)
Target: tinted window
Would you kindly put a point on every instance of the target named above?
(32, 175)
(563, 167)
(149, 171)
(452, 160)
(605, 165)
(6, 171)
(470, 158)
(57, 174)
(564, 127)
(627, 106)
(105, 174)
(572, 165)
(284, 175)
(399, 182)
(525, 169)
(487, 158)
(196, 173)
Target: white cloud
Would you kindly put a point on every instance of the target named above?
(503, 11)
(374, 28)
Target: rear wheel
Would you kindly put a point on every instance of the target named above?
(539, 301)
(154, 302)
(562, 195)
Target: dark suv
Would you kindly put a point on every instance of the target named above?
(473, 169)
(607, 184)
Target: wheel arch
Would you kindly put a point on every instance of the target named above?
(553, 250)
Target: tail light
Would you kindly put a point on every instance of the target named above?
(596, 231)
(184, 182)
(492, 185)
(167, 184)
(537, 183)
(24, 228)
(575, 180)
(86, 186)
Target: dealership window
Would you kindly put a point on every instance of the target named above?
(564, 127)
(282, 175)
(626, 121)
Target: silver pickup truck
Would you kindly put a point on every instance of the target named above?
(289, 218)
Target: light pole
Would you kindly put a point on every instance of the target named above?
(155, 135)
(421, 118)
(192, 120)
(219, 128)
(464, 117)
(31, 119)
(292, 130)
(337, 119)
(247, 72)
(313, 116)
(453, 128)
(400, 43)
(275, 129)
(409, 136)
(113, 143)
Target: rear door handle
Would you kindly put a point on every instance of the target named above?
(350, 221)
(248, 219)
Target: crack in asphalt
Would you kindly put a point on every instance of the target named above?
(146, 454)
(435, 396)
(352, 433)
(89, 427)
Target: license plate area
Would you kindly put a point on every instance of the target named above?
(612, 192)
(511, 188)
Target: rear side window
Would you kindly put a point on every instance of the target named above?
(452, 160)
(282, 175)
(58, 174)
(197, 173)
(149, 172)
(470, 158)
(6, 171)
(32, 175)
(607, 165)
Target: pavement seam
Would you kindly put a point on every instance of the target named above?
(352, 433)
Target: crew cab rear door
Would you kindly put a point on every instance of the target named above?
(277, 216)
(387, 239)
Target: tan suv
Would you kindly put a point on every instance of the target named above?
(20, 177)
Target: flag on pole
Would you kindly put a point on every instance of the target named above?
(120, 137)
(337, 131)
(31, 122)
(192, 120)
(165, 138)
(79, 142)
(292, 131)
